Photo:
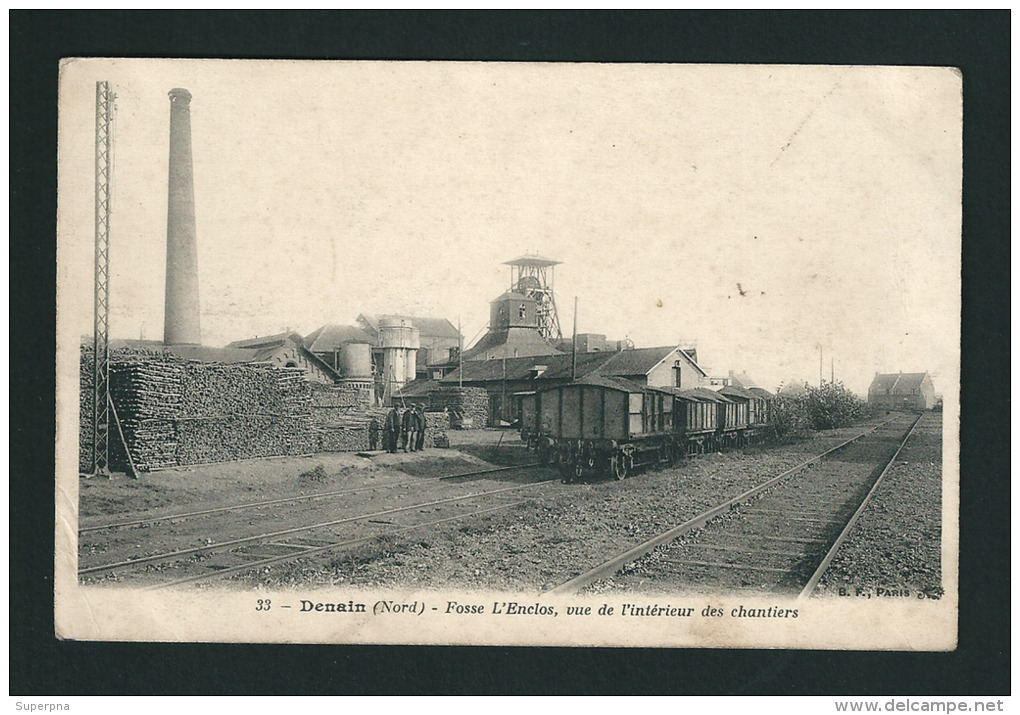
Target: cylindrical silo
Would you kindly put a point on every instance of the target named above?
(410, 364)
(400, 341)
(356, 360)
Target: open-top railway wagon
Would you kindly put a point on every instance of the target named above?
(607, 425)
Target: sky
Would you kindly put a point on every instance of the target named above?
(777, 216)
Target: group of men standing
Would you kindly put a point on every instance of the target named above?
(407, 429)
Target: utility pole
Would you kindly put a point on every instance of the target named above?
(832, 370)
(101, 306)
(821, 362)
(460, 353)
(573, 351)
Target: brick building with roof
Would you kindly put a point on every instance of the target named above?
(902, 391)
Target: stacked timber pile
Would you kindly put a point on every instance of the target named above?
(468, 406)
(117, 457)
(174, 412)
(353, 432)
(86, 385)
(146, 392)
(436, 424)
(329, 403)
(243, 411)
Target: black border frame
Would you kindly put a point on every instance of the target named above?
(976, 42)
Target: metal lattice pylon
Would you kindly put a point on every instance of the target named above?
(101, 331)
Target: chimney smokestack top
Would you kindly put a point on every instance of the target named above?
(179, 94)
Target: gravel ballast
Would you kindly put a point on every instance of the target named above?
(551, 537)
(895, 548)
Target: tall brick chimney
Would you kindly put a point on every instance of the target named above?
(181, 313)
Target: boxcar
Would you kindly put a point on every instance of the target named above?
(697, 419)
(758, 403)
(747, 409)
(765, 402)
(731, 417)
(606, 425)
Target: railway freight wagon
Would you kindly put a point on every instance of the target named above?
(731, 416)
(604, 425)
(765, 406)
(757, 403)
(697, 419)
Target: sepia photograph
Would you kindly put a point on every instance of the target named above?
(508, 353)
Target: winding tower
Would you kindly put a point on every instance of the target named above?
(533, 276)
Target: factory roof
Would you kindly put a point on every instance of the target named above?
(510, 343)
(427, 327)
(640, 361)
(511, 295)
(547, 367)
(532, 259)
(417, 388)
(623, 364)
(897, 383)
(265, 341)
(330, 337)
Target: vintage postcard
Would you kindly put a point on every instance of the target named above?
(508, 353)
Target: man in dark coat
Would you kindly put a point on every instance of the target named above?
(391, 428)
(407, 429)
(419, 412)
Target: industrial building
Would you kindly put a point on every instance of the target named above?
(523, 320)
(513, 330)
(438, 342)
(391, 350)
(902, 391)
(288, 350)
(503, 378)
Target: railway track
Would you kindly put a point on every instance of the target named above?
(216, 560)
(778, 537)
(181, 516)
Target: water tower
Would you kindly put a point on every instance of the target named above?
(533, 276)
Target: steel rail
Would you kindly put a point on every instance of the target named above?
(286, 500)
(831, 554)
(284, 532)
(319, 549)
(611, 566)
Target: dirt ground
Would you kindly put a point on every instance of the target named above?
(215, 485)
(557, 532)
(347, 485)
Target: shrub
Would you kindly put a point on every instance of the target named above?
(832, 405)
(788, 420)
